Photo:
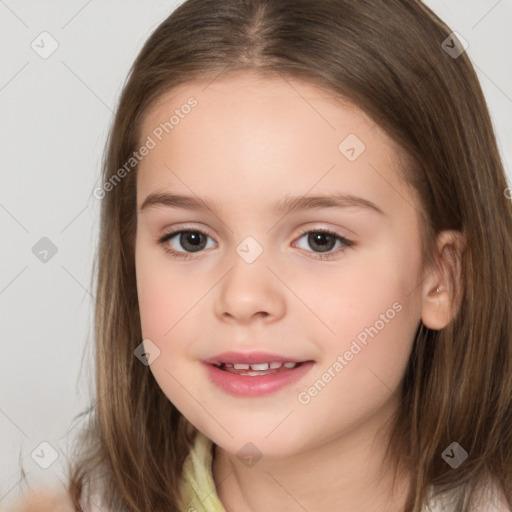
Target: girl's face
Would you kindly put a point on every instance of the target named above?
(254, 275)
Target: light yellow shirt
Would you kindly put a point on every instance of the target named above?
(198, 490)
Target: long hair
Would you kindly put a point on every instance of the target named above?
(387, 58)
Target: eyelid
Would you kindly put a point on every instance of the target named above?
(176, 228)
(190, 227)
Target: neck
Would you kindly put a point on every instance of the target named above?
(345, 473)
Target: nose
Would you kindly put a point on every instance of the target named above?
(248, 292)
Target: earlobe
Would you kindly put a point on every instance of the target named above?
(442, 288)
(437, 311)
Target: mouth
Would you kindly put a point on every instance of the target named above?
(256, 369)
(255, 374)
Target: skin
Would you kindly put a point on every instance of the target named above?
(250, 141)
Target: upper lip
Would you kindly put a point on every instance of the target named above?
(251, 358)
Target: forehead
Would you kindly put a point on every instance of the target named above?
(261, 133)
(248, 91)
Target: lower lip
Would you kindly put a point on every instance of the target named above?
(258, 385)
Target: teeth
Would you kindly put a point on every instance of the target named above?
(259, 366)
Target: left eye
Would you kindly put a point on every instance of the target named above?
(323, 241)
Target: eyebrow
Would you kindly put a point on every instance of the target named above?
(283, 206)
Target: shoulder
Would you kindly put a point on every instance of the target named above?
(51, 500)
(44, 500)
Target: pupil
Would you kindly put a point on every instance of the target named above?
(323, 241)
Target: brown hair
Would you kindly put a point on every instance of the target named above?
(387, 58)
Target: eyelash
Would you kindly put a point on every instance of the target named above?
(320, 256)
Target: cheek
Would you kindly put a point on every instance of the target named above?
(370, 305)
(352, 296)
(172, 306)
(157, 300)
(164, 295)
(166, 300)
(364, 363)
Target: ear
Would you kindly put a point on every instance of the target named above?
(443, 287)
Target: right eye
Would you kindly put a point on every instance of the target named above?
(191, 240)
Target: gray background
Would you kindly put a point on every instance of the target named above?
(55, 116)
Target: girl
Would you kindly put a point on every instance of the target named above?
(303, 297)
